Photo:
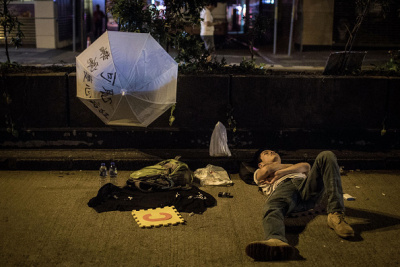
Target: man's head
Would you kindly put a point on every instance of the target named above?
(266, 157)
(211, 6)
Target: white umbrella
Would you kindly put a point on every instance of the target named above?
(126, 78)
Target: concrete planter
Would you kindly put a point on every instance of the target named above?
(289, 110)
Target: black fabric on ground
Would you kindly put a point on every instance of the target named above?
(111, 198)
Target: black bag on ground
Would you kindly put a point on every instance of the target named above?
(246, 172)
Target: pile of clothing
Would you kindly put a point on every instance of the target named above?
(127, 198)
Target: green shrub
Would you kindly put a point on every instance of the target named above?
(167, 28)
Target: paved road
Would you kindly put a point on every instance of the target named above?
(45, 221)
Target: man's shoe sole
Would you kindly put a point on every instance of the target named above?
(260, 251)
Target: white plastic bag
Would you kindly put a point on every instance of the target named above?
(212, 175)
(219, 142)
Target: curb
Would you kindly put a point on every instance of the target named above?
(133, 159)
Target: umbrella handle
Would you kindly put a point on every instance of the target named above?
(171, 117)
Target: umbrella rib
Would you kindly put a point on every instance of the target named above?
(151, 82)
(116, 107)
(152, 102)
(134, 64)
(142, 48)
(115, 68)
(96, 78)
(82, 65)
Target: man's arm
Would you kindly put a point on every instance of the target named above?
(302, 167)
(207, 20)
(209, 23)
(267, 171)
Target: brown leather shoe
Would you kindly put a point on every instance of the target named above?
(337, 222)
(270, 250)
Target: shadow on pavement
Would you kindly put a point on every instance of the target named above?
(361, 221)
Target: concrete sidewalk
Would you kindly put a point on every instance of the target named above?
(314, 59)
(45, 221)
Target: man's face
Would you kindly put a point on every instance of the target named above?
(268, 157)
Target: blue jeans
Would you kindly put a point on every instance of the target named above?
(294, 195)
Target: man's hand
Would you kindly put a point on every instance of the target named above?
(273, 178)
(267, 172)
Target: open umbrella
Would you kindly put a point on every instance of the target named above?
(126, 78)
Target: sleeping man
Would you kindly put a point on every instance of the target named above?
(293, 188)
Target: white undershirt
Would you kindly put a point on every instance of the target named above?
(206, 16)
(269, 188)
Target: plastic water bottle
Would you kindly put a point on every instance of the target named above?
(102, 174)
(113, 174)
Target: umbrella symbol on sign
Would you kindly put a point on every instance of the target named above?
(126, 79)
